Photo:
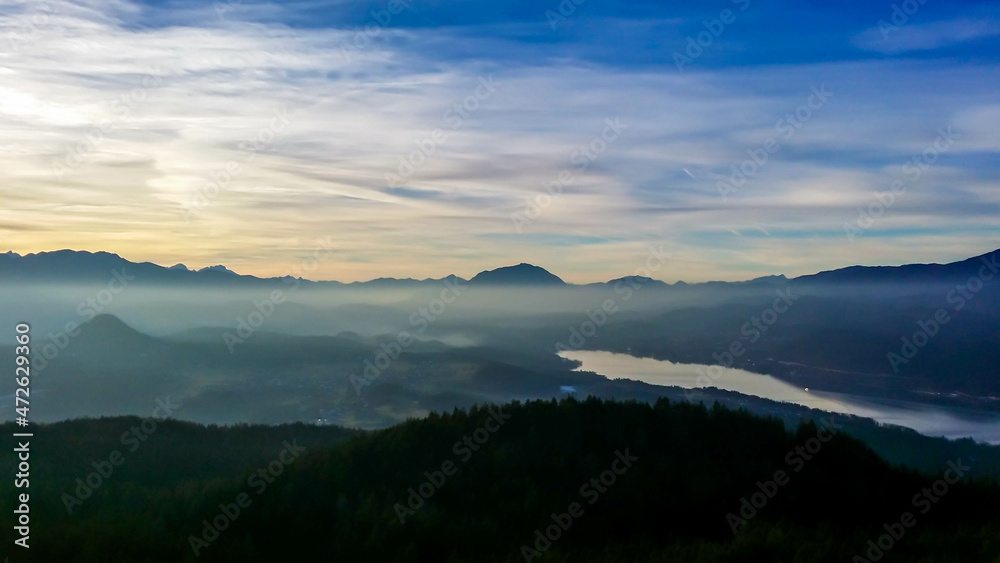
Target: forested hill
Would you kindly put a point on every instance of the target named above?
(610, 481)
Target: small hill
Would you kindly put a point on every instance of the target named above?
(604, 481)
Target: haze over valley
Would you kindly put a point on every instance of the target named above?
(236, 348)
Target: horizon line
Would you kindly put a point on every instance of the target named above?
(430, 279)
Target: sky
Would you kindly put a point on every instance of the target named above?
(435, 137)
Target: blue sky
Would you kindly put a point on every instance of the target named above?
(452, 137)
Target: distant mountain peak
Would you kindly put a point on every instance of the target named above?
(83, 266)
(67, 252)
(907, 273)
(777, 279)
(637, 280)
(216, 268)
(521, 274)
(107, 320)
(109, 328)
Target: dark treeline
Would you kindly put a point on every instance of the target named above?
(497, 475)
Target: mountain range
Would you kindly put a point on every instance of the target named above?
(70, 266)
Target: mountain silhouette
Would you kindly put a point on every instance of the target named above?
(637, 281)
(954, 272)
(71, 266)
(522, 274)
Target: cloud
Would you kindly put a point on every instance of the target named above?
(163, 105)
(891, 39)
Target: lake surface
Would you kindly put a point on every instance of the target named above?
(926, 419)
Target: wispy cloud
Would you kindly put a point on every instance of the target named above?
(220, 80)
(925, 37)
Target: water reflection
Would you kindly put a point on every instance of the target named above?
(926, 419)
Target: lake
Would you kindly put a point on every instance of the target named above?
(931, 420)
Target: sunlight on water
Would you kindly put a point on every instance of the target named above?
(926, 419)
